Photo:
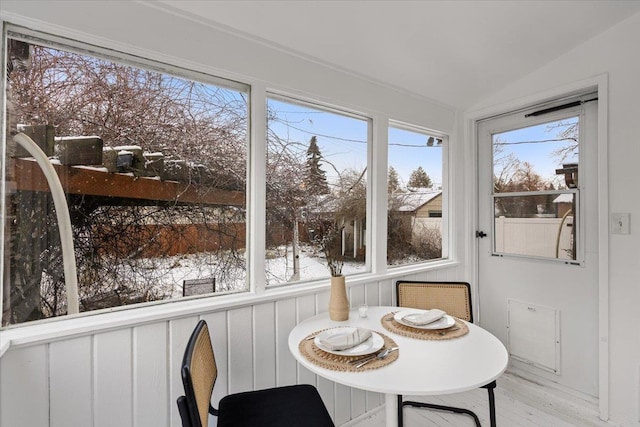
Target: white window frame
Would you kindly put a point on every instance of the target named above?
(447, 231)
(297, 100)
(106, 319)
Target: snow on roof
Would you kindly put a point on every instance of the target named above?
(564, 198)
(411, 201)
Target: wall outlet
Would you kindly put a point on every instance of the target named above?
(620, 223)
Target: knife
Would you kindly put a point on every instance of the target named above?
(380, 356)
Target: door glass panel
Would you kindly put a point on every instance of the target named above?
(535, 181)
(540, 226)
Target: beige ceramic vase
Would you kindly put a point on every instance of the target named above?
(338, 301)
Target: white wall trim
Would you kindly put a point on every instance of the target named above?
(90, 323)
(470, 126)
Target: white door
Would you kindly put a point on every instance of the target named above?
(538, 239)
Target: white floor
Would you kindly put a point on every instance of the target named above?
(519, 403)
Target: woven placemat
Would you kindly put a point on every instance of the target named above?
(335, 362)
(458, 330)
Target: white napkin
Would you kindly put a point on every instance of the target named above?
(424, 318)
(345, 340)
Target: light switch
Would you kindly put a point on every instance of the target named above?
(620, 223)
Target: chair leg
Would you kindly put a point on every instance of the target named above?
(492, 407)
(445, 408)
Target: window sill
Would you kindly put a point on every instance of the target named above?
(122, 317)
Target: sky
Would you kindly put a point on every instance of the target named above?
(343, 140)
(537, 145)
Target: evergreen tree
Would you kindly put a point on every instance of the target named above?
(419, 178)
(316, 179)
(393, 182)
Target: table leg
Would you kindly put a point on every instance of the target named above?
(391, 410)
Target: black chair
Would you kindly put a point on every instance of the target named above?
(455, 299)
(291, 406)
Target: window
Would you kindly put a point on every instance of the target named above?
(535, 189)
(153, 165)
(154, 169)
(415, 193)
(316, 191)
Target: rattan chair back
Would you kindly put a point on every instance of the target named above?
(199, 373)
(452, 297)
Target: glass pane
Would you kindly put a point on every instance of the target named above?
(414, 185)
(316, 192)
(530, 159)
(538, 225)
(154, 171)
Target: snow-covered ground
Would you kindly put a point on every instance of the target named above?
(169, 273)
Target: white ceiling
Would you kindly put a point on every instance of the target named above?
(453, 52)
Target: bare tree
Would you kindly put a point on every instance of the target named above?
(124, 105)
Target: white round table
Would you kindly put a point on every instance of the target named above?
(424, 367)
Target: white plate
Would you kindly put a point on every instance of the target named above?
(371, 345)
(445, 322)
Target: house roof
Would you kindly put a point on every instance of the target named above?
(412, 201)
(564, 198)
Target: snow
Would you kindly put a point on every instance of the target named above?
(169, 273)
(312, 266)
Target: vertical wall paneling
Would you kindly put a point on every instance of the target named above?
(70, 382)
(217, 323)
(264, 347)
(24, 387)
(372, 294)
(326, 390)
(387, 292)
(240, 350)
(131, 376)
(356, 296)
(150, 379)
(306, 308)
(179, 333)
(358, 402)
(343, 404)
(322, 301)
(113, 379)
(358, 397)
(285, 321)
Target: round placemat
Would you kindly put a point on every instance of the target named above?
(458, 330)
(335, 362)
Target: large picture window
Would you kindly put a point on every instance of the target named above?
(316, 192)
(153, 166)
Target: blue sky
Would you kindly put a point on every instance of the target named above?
(343, 141)
(537, 145)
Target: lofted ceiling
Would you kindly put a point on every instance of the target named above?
(453, 52)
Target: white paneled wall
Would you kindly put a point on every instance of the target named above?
(130, 377)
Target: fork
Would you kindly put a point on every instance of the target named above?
(446, 331)
(379, 356)
(363, 358)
